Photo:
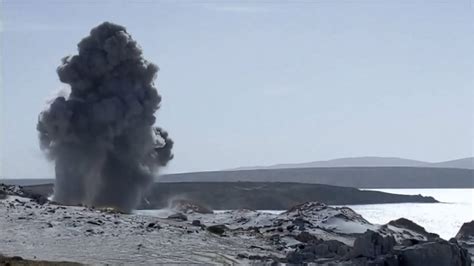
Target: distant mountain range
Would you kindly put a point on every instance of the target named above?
(464, 163)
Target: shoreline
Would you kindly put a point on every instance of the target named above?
(97, 236)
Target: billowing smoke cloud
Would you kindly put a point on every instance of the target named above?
(101, 137)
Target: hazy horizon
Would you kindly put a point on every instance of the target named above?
(256, 167)
(247, 84)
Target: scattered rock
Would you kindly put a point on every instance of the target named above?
(178, 216)
(435, 253)
(300, 257)
(153, 226)
(14, 190)
(300, 223)
(217, 229)
(301, 236)
(96, 222)
(111, 210)
(256, 247)
(258, 258)
(372, 244)
(321, 250)
(407, 224)
(343, 250)
(305, 237)
(466, 231)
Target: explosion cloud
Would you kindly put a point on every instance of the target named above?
(102, 137)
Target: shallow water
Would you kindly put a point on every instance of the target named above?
(444, 218)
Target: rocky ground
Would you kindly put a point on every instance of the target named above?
(39, 230)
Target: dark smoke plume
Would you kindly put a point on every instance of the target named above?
(101, 137)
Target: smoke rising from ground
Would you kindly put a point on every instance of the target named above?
(102, 136)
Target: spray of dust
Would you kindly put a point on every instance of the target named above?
(101, 136)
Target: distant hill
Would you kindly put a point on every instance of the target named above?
(27, 181)
(359, 177)
(465, 163)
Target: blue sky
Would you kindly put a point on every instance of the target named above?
(262, 82)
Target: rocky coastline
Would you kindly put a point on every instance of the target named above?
(38, 230)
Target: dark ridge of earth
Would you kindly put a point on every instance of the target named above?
(256, 195)
(19, 261)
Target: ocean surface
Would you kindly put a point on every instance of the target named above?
(445, 218)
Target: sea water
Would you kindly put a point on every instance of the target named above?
(445, 218)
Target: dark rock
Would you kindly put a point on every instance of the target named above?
(275, 238)
(151, 226)
(331, 250)
(466, 231)
(258, 258)
(218, 229)
(40, 199)
(372, 244)
(435, 253)
(242, 256)
(196, 223)
(255, 229)
(242, 220)
(256, 247)
(3, 194)
(321, 250)
(300, 223)
(298, 257)
(300, 208)
(178, 216)
(334, 245)
(384, 260)
(410, 242)
(343, 250)
(407, 224)
(305, 237)
(97, 222)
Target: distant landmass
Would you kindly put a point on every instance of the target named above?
(359, 177)
(464, 163)
(256, 195)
